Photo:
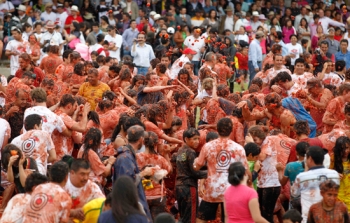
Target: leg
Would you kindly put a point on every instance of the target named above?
(187, 203)
(195, 67)
(252, 72)
(267, 201)
(207, 211)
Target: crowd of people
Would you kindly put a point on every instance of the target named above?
(164, 111)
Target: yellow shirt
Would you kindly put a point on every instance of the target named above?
(344, 190)
(92, 93)
(92, 210)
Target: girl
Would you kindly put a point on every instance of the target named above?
(304, 30)
(288, 30)
(242, 58)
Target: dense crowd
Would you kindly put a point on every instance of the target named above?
(164, 111)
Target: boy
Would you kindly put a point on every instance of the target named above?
(186, 178)
(252, 152)
(329, 209)
(292, 216)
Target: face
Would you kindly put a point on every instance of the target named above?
(299, 68)
(80, 178)
(343, 46)
(188, 67)
(141, 38)
(278, 61)
(22, 63)
(154, 80)
(324, 48)
(183, 78)
(16, 35)
(32, 39)
(293, 40)
(92, 79)
(47, 88)
(22, 99)
(73, 13)
(193, 142)
(72, 108)
(329, 67)
(165, 60)
(331, 33)
(329, 197)
(257, 140)
(321, 13)
(28, 81)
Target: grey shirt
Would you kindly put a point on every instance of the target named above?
(333, 46)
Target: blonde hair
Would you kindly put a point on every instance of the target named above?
(207, 83)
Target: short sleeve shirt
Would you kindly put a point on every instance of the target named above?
(15, 208)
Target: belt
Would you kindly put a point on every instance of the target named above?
(141, 67)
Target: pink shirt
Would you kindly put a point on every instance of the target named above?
(287, 33)
(237, 203)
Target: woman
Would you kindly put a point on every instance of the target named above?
(341, 163)
(136, 82)
(125, 204)
(38, 31)
(90, 152)
(242, 35)
(319, 36)
(189, 67)
(185, 78)
(276, 24)
(288, 30)
(104, 23)
(78, 77)
(86, 9)
(119, 134)
(117, 7)
(304, 30)
(108, 118)
(240, 201)
(74, 37)
(35, 48)
(156, 196)
(111, 19)
(294, 49)
(211, 20)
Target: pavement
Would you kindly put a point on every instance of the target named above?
(5, 70)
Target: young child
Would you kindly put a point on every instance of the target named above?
(252, 152)
(292, 216)
(330, 209)
(186, 185)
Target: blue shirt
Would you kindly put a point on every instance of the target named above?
(255, 53)
(128, 37)
(284, 48)
(292, 170)
(107, 216)
(142, 55)
(343, 56)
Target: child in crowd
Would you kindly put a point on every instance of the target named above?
(292, 216)
(252, 152)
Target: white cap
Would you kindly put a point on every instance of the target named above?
(156, 17)
(152, 13)
(171, 30)
(75, 8)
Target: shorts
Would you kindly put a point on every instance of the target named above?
(241, 72)
(207, 211)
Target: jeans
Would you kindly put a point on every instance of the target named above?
(252, 71)
(126, 52)
(142, 70)
(195, 67)
(267, 201)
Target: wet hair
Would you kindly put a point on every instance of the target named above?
(100, 37)
(79, 69)
(316, 153)
(207, 83)
(341, 145)
(100, 59)
(276, 48)
(29, 75)
(211, 136)
(258, 81)
(154, 62)
(39, 95)
(31, 120)
(344, 88)
(235, 97)
(68, 159)
(151, 141)
(118, 128)
(93, 71)
(92, 141)
(48, 82)
(108, 95)
(301, 127)
(54, 49)
(277, 55)
(273, 99)
(293, 215)
(66, 53)
(253, 88)
(34, 179)
(329, 185)
(137, 78)
(135, 133)
(125, 74)
(189, 133)
(252, 148)
(283, 76)
(105, 104)
(313, 82)
(224, 127)
(67, 99)
(257, 131)
(161, 67)
(78, 164)
(301, 148)
(236, 173)
(93, 116)
(182, 72)
(59, 172)
(116, 69)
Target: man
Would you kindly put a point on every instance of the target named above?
(321, 55)
(272, 72)
(72, 17)
(335, 108)
(226, 22)
(142, 53)
(80, 188)
(126, 22)
(217, 154)
(284, 81)
(327, 76)
(255, 55)
(25, 64)
(129, 35)
(267, 9)
(186, 57)
(333, 45)
(142, 14)
(294, 8)
(50, 202)
(48, 15)
(303, 14)
(300, 76)
(91, 38)
(343, 53)
(14, 112)
(197, 44)
(325, 21)
(192, 6)
(69, 111)
(50, 63)
(16, 47)
(23, 18)
(36, 143)
(307, 183)
(255, 23)
(238, 21)
(61, 16)
(183, 18)
(115, 42)
(125, 163)
(25, 83)
(50, 120)
(210, 61)
(51, 38)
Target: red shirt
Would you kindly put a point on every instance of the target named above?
(141, 25)
(70, 19)
(37, 71)
(242, 61)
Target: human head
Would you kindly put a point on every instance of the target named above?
(22, 97)
(150, 141)
(324, 46)
(299, 66)
(292, 216)
(92, 77)
(314, 156)
(38, 95)
(79, 172)
(191, 138)
(301, 127)
(252, 151)
(141, 37)
(314, 86)
(301, 149)
(136, 136)
(284, 80)
(24, 60)
(236, 173)
(224, 127)
(258, 134)
(164, 218)
(211, 136)
(344, 44)
(59, 172)
(16, 33)
(28, 78)
(33, 180)
(33, 121)
(329, 192)
(341, 151)
(69, 103)
(344, 91)
(273, 101)
(278, 61)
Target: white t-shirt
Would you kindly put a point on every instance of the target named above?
(294, 49)
(117, 40)
(7, 5)
(196, 45)
(5, 130)
(229, 23)
(51, 121)
(19, 48)
(61, 19)
(177, 66)
(48, 17)
(96, 47)
(54, 38)
(3, 81)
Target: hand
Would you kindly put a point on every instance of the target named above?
(276, 89)
(257, 166)
(22, 160)
(148, 171)
(78, 214)
(87, 108)
(341, 176)
(12, 110)
(279, 167)
(13, 159)
(111, 160)
(143, 118)
(257, 69)
(325, 65)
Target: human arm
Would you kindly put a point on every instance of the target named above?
(250, 116)
(170, 139)
(158, 88)
(22, 173)
(10, 176)
(130, 99)
(81, 125)
(52, 155)
(255, 211)
(281, 177)
(109, 163)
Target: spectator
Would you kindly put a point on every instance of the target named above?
(183, 18)
(132, 9)
(73, 17)
(142, 53)
(48, 15)
(115, 42)
(129, 35)
(255, 55)
(343, 54)
(333, 45)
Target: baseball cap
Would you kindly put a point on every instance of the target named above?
(259, 34)
(189, 51)
(171, 30)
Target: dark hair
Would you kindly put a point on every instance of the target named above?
(126, 203)
(135, 133)
(344, 41)
(258, 81)
(301, 148)
(92, 141)
(328, 185)
(93, 116)
(59, 172)
(224, 127)
(301, 127)
(211, 136)
(257, 131)
(151, 141)
(316, 153)
(164, 218)
(293, 215)
(79, 68)
(251, 148)
(66, 53)
(344, 87)
(68, 159)
(79, 164)
(118, 128)
(299, 60)
(339, 65)
(33, 180)
(341, 144)
(133, 121)
(324, 42)
(31, 120)
(347, 108)
(236, 173)
(189, 133)
(304, 41)
(67, 99)
(292, 36)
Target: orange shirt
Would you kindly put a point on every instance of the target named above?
(49, 65)
(334, 112)
(63, 71)
(97, 167)
(237, 133)
(223, 71)
(93, 93)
